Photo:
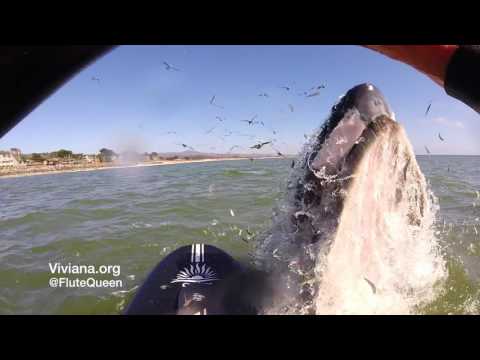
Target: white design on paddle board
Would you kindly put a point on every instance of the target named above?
(195, 274)
(197, 254)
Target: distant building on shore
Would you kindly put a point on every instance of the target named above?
(89, 158)
(51, 162)
(16, 152)
(10, 158)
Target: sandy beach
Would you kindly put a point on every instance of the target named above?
(19, 173)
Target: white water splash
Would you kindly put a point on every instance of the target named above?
(377, 239)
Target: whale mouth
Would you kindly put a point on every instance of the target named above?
(349, 118)
(354, 123)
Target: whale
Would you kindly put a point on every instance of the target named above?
(355, 174)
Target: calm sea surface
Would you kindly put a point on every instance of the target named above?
(133, 217)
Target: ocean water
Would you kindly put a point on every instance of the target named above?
(134, 217)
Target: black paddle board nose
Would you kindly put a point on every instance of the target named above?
(196, 280)
(367, 99)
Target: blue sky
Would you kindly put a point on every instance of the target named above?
(137, 101)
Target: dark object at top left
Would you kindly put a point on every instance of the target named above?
(32, 73)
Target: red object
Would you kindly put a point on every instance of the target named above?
(432, 60)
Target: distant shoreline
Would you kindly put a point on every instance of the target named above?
(149, 164)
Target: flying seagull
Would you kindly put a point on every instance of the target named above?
(285, 87)
(278, 152)
(272, 129)
(428, 108)
(316, 93)
(96, 79)
(187, 147)
(212, 102)
(209, 131)
(263, 94)
(169, 67)
(260, 145)
(251, 121)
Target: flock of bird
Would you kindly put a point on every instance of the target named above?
(439, 135)
(312, 92)
(251, 122)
